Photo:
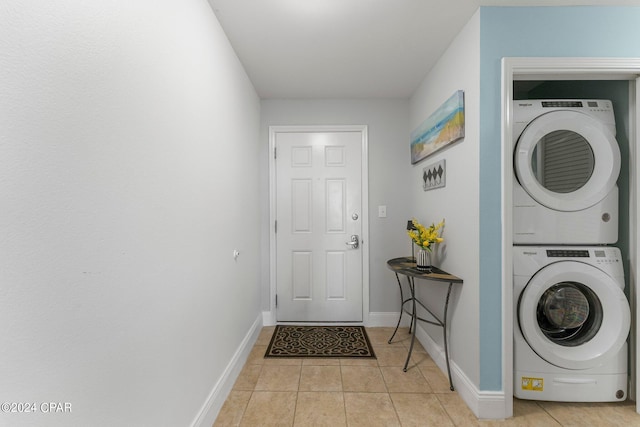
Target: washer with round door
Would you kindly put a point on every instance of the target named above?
(571, 322)
(566, 162)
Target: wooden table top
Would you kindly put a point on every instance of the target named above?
(407, 266)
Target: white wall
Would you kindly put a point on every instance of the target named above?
(128, 170)
(389, 168)
(457, 203)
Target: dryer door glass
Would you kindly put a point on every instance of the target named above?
(567, 161)
(562, 161)
(569, 314)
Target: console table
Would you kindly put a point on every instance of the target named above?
(406, 266)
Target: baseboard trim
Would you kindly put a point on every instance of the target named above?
(377, 319)
(268, 318)
(484, 404)
(209, 411)
(386, 319)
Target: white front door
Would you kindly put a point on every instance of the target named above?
(319, 261)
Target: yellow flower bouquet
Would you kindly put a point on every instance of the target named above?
(426, 237)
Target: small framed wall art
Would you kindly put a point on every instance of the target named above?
(444, 126)
(434, 175)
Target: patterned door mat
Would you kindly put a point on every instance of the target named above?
(319, 341)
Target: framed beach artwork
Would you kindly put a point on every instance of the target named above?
(444, 126)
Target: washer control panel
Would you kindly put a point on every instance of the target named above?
(598, 256)
(529, 260)
(567, 253)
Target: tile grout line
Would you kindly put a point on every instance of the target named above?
(295, 406)
(344, 399)
(386, 386)
(444, 408)
(550, 415)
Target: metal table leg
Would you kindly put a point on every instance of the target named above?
(401, 310)
(415, 318)
(444, 333)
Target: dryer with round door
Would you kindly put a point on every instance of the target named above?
(571, 322)
(566, 162)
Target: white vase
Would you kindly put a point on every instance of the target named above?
(423, 260)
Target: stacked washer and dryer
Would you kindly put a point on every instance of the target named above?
(571, 316)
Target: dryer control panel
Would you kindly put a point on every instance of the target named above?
(527, 110)
(589, 105)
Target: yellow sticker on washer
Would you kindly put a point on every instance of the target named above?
(533, 384)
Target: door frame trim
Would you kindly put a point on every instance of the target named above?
(269, 318)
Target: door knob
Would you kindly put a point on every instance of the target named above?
(354, 242)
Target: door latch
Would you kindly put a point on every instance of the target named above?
(354, 242)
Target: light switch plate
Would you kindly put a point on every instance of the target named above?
(382, 211)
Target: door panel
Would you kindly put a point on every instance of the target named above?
(318, 190)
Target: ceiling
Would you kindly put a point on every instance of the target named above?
(349, 48)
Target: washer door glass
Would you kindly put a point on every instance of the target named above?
(573, 315)
(566, 160)
(569, 314)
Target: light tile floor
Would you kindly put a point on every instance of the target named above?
(370, 392)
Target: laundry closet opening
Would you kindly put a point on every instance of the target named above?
(581, 163)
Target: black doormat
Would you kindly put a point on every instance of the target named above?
(319, 341)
